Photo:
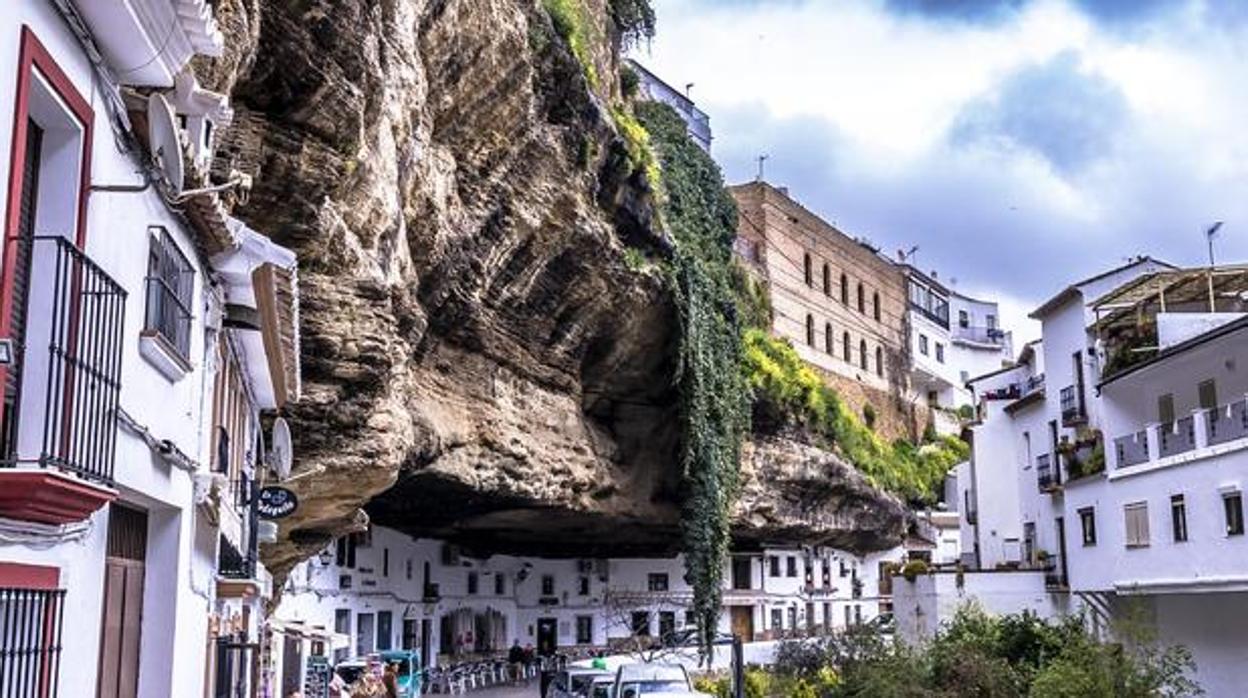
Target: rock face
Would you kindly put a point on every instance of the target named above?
(479, 360)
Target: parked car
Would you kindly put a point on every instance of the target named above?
(602, 686)
(637, 680)
(577, 682)
(351, 670)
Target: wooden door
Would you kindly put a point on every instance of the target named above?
(742, 622)
(124, 567)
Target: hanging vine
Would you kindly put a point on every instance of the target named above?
(714, 398)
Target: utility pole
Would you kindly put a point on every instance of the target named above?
(761, 159)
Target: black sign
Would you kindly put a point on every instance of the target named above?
(277, 503)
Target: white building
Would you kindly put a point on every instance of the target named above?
(1111, 460)
(141, 338)
(951, 337)
(654, 88)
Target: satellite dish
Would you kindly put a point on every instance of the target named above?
(283, 453)
(165, 141)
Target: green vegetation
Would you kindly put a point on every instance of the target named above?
(786, 390)
(713, 398)
(976, 654)
(634, 19)
(637, 144)
(573, 24)
(913, 569)
(630, 82)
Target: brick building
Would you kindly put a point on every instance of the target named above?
(841, 304)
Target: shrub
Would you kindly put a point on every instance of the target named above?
(868, 416)
(912, 569)
(572, 23)
(629, 82)
(720, 687)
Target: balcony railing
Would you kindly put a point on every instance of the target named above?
(30, 641)
(980, 334)
(60, 407)
(1227, 423)
(1072, 406)
(1178, 436)
(1047, 476)
(1194, 433)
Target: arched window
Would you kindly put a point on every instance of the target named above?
(862, 299)
(879, 361)
(827, 281)
(862, 353)
(844, 288)
(845, 347)
(829, 341)
(875, 305)
(810, 330)
(809, 279)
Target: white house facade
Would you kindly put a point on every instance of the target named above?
(142, 334)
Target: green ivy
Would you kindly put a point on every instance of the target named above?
(701, 217)
(635, 20)
(573, 24)
(787, 390)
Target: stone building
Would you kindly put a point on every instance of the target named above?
(841, 304)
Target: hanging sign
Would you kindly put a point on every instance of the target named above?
(277, 503)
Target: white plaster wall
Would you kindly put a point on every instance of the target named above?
(996, 466)
(923, 605)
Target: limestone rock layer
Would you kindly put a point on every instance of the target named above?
(479, 360)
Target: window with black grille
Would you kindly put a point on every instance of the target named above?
(170, 284)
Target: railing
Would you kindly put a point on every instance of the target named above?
(30, 642)
(231, 564)
(1227, 423)
(980, 334)
(1047, 477)
(1032, 384)
(1053, 577)
(1132, 449)
(1177, 437)
(70, 304)
(1072, 406)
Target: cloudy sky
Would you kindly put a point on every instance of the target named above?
(1020, 144)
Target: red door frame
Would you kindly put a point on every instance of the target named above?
(34, 56)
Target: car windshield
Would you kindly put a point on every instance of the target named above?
(601, 690)
(349, 674)
(633, 689)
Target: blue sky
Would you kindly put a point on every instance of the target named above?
(1020, 144)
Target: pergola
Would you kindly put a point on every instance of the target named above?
(1125, 317)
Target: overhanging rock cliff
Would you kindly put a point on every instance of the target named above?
(480, 360)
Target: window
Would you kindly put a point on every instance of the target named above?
(923, 344)
(777, 619)
(774, 563)
(1233, 506)
(584, 630)
(385, 562)
(1165, 408)
(810, 330)
(1136, 515)
(879, 361)
(844, 288)
(848, 617)
(500, 584)
(170, 283)
(940, 353)
(408, 570)
(365, 634)
(829, 341)
(344, 555)
(548, 585)
(845, 346)
(827, 281)
(792, 618)
(790, 569)
(857, 614)
(473, 583)
(1207, 392)
(582, 586)
(641, 622)
(862, 299)
(990, 321)
(1087, 519)
(657, 581)
(342, 626)
(667, 624)
(875, 305)
(964, 320)
(862, 353)
(806, 264)
(1178, 518)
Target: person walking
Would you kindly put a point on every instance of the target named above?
(390, 679)
(515, 661)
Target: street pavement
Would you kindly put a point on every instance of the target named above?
(529, 690)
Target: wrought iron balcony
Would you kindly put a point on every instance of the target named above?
(980, 334)
(60, 404)
(1072, 407)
